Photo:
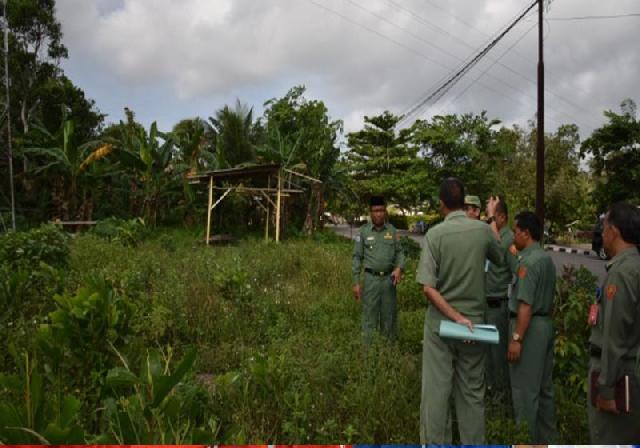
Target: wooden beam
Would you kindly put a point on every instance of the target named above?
(295, 173)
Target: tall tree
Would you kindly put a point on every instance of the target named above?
(305, 124)
(35, 49)
(614, 149)
(383, 161)
(235, 142)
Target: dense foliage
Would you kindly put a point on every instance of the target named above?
(142, 344)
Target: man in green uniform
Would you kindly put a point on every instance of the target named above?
(472, 206)
(377, 249)
(499, 281)
(615, 333)
(451, 270)
(531, 332)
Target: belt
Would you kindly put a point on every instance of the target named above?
(513, 315)
(378, 273)
(495, 302)
(596, 352)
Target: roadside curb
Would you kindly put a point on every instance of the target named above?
(569, 250)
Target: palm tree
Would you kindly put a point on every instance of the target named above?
(235, 136)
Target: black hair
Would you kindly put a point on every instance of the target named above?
(452, 193)
(529, 221)
(501, 207)
(625, 218)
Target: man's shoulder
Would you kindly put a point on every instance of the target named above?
(629, 266)
(537, 258)
(365, 227)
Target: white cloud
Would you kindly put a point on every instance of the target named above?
(219, 48)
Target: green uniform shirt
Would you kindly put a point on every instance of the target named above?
(535, 281)
(617, 330)
(499, 277)
(376, 249)
(452, 261)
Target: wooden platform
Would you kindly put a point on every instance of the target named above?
(220, 239)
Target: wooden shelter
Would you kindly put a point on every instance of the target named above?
(258, 181)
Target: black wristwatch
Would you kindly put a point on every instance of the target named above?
(491, 219)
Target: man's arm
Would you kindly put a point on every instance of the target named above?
(398, 260)
(525, 311)
(356, 265)
(443, 306)
(528, 279)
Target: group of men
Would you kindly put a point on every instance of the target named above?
(475, 272)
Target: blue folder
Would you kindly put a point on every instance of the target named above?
(481, 333)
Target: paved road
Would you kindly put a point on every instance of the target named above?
(591, 262)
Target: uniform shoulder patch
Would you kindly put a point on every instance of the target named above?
(611, 291)
(522, 272)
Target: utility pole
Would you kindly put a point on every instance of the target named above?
(540, 133)
(5, 25)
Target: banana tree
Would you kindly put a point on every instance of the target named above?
(67, 163)
(149, 159)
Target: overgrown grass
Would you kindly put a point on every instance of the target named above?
(280, 357)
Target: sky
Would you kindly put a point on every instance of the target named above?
(173, 59)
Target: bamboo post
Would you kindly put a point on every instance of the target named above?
(266, 227)
(209, 209)
(278, 202)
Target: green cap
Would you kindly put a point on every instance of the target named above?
(472, 200)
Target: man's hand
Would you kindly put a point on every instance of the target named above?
(513, 250)
(396, 275)
(464, 321)
(513, 355)
(357, 291)
(491, 206)
(607, 405)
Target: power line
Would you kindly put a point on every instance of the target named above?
(348, 19)
(517, 53)
(568, 19)
(442, 89)
(414, 51)
(424, 21)
(427, 42)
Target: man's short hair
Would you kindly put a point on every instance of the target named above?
(626, 218)
(530, 222)
(501, 207)
(452, 193)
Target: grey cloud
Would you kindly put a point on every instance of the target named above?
(208, 48)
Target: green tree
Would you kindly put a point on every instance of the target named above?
(614, 149)
(305, 124)
(383, 161)
(465, 146)
(63, 161)
(234, 129)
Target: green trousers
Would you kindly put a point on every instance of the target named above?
(379, 307)
(615, 429)
(451, 367)
(497, 368)
(532, 381)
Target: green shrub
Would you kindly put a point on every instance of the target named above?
(79, 343)
(45, 244)
(30, 413)
(32, 267)
(156, 405)
(399, 221)
(127, 232)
